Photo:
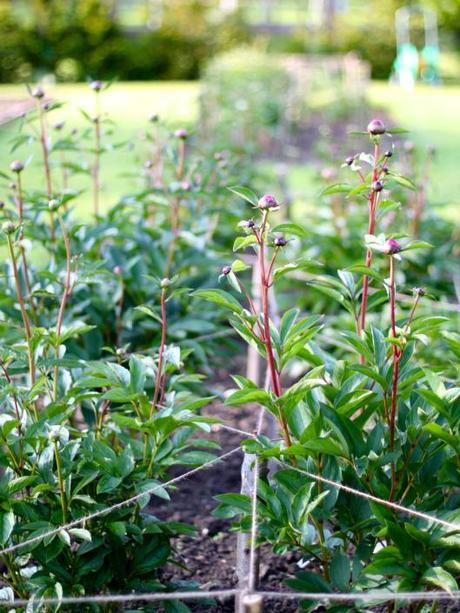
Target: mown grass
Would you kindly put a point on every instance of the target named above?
(128, 105)
(431, 115)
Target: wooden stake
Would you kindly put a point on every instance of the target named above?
(252, 603)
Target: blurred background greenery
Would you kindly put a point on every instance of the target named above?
(173, 39)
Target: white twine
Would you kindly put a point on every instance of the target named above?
(370, 596)
(118, 505)
(387, 503)
(106, 598)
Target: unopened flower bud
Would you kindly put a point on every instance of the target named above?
(165, 283)
(13, 185)
(349, 160)
(391, 247)
(267, 202)
(117, 270)
(388, 154)
(53, 205)
(181, 133)
(377, 186)
(59, 125)
(38, 92)
(154, 117)
(247, 223)
(148, 164)
(2, 204)
(8, 227)
(226, 270)
(96, 85)
(16, 166)
(419, 291)
(186, 186)
(280, 241)
(376, 127)
(47, 106)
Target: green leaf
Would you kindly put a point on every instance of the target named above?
(439, 577)
(7, 522)
(138, 374)
(337, 188)
(404, 181)
(221, 298)
(244, 241)
(340, 571)
(245, 193)
(439, 432)
(245, 396)
(291, 228)
(366, 271)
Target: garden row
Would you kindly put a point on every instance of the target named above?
(113, 330)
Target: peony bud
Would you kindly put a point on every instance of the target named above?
(181, 133)
(38, 92)
(377, 186)
(226, 270)
(16, 166)
(96, 85)
(268, 202)
(391, 247)
(165, 283)
(8, 227)
(376, 127)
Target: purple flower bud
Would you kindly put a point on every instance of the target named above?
(280, 241)
(16, 166)
(388, 154)
(349, 160)
(96, 85)
(377, 186)
(268, 202)
(186, 186)
(2, 204)
(226, 270)
(38, 92)
(376, 127)
(419, 291)
(47, 106)
(59, 125)
(117, 270)
(391, 247)
(181, 133)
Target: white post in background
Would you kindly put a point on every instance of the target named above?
(228, 6)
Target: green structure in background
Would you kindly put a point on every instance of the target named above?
(410, 63)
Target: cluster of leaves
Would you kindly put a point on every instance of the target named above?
(373, 409)
(99, 391)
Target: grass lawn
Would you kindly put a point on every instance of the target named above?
(432, 115)
(128, 105)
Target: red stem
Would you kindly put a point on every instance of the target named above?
(158, 380)
(373, 201)
(394, 386)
